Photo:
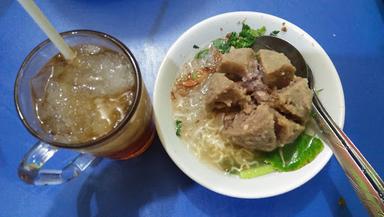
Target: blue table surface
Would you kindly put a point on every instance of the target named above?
(351, 32)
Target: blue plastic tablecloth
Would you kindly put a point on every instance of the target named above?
(351, 32)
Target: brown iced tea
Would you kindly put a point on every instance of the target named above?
(94, 102)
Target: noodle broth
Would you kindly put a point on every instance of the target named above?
(181, 151)
(201, 130)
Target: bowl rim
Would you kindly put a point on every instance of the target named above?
(197, 179)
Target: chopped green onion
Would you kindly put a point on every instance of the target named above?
(221, 44)
(202, 53)
(179, 124)
(245, 39)
(319, 90)
(274, 33)
(194, 75)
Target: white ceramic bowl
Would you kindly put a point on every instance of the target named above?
(182, 51)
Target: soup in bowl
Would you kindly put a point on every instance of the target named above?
(235, 119)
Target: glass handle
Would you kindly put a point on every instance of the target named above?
(31, 168)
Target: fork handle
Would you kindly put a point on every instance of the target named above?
(366, 182)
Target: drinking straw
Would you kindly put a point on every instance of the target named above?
(44, 24)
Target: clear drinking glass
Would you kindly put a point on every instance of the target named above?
(131, 137)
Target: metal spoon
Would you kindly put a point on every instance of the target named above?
(364, 179)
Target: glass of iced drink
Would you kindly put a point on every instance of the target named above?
(95, 104)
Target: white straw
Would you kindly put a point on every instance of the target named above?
(38, 16)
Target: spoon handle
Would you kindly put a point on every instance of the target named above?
(364, 179)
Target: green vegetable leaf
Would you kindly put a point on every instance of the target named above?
(274, 33)
(246, 38)
(256, 171)
(241, 40)
(222, 45)
(179, 124)
(295, 155)
(258, 32)
(202, 53)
